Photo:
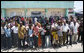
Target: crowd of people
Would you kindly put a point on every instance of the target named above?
(40, 32)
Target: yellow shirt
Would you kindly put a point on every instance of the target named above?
(21, 31)
(55, 36)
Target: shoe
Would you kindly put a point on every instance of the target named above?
(33, 46)
(59, 45)
(70, 44)
(75, 42)
(64, 44)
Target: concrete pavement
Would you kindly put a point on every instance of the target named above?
(74, 48)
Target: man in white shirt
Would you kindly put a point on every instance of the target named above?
(54, 25)
(64, 31)
(71, 24)
(59, 32)
(35, 20)
(3, 36)
(15, 35)
(75, 32)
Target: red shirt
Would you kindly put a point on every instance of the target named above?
(22, 19)
(35, 30)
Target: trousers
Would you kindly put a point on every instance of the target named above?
(60, 40)
(64, 37)
(74, 38)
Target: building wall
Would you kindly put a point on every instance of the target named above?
(56, 11)
(21, 11)
(18, 7)
(13, 11)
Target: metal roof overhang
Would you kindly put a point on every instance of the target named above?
(37, 4)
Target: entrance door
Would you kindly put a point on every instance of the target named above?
(36, 14)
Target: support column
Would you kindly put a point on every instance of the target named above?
(66, 14)
(74, 12)
(25, 12)
(3, 13)
(46, 10)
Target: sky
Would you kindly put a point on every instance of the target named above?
(78, 6)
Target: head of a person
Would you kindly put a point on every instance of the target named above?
(71, 17)
(55, 21)
(30, 26)
(35, 25)
(21, 24)
(74, 22)
(39, 25)
(16, 24)
(69, 22)
(8, 26)
(64, 22)
(59, 22)
(52, 29)
(81, 19)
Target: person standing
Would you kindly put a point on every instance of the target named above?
(30, 21)
(15, 34)
(49, 19)
(48, 35)
(21, 33)
(35, 37)
(30, 36)
(65, 29)
(3, 40)
(70, 31)
(8, 36)
(43, 37)
(54, 33)
(80, 31)
(55, 37)
(59, 32)
(22, 19)
(52, 20)
(39, 35)
(35, 20)
(75, 32)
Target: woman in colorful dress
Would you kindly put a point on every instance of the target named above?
(39, 35)
(55, 37)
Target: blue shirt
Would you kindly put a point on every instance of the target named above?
(30, 32)
(8, 32)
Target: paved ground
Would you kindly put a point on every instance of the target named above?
(74, 48)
